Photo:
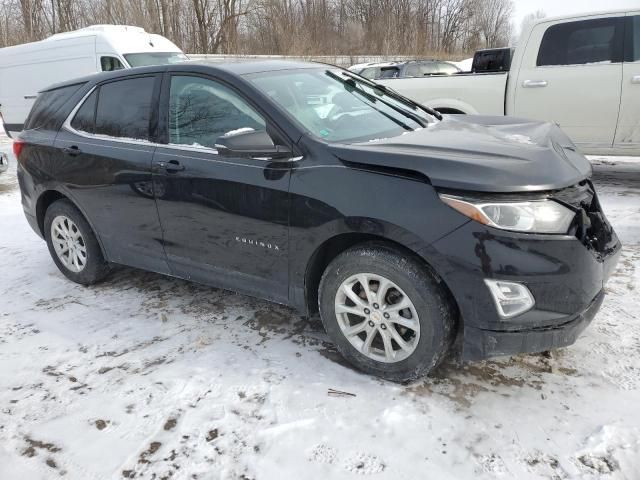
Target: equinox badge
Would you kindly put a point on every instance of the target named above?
(258, 243)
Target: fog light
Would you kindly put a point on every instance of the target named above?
(511, 298)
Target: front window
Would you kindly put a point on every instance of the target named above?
(203, 110)
(109, 64)
(337, 107)
(154, 58)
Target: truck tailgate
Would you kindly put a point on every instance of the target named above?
(468, 93)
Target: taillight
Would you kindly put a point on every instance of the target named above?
(17, 147)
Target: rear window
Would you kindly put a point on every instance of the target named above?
(124, 108)
(579, 43)
(498, 60)
(47, 105)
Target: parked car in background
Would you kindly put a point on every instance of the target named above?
(464, 65)
(311, 186)
(581, 72)
(412, 68)
(28, 68)
(4, 162)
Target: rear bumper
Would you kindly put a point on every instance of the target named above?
(481, 344)
(33, 223)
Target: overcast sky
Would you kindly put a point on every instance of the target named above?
(561, 7)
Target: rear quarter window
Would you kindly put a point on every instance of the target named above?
(85, 117)
(47, 112)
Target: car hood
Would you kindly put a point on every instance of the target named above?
(479, 153)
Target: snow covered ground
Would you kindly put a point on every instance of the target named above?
(151, 377)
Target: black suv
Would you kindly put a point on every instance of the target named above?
(411, 234)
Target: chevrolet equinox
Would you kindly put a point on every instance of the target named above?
(411, 234)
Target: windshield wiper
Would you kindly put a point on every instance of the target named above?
(373, 99)
(392, 93)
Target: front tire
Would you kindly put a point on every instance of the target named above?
(386, 312)
(73, 245)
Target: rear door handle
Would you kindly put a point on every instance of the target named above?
(72, 151)
(635, 79)
(534, 83)
(171, 166)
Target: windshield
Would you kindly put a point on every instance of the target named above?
(336, 107)
(154, 58)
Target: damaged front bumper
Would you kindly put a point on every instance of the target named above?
(564, 273)
(481, 344)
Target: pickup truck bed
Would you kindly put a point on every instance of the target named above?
(470, 93)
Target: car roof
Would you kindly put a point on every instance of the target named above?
(195, 66)
(396, 63)
(378, 64)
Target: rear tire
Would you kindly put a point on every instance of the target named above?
(401, 334)
(73, 245)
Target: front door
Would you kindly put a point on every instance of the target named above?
(573, 78)
(628, 133)
(225, 219)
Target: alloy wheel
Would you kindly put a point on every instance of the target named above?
(68, 243)
(377, 317)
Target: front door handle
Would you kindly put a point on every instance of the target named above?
(72, 151)
(534, 83)
(635, 79)
(171, 166)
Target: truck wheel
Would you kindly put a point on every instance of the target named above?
(386, 313)
(73, 245)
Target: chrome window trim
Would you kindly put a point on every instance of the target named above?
(67, 126)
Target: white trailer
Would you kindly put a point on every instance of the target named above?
(28, 68)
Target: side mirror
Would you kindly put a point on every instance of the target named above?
(251, 144)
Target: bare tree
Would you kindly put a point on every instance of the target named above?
(494, 21)
(299, 27)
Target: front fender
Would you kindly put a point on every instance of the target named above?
(329, 202)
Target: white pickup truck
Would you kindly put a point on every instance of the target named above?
(581, 72)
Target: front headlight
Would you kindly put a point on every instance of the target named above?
(534, 216)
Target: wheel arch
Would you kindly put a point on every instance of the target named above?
(327, 251)
(452, 105)
(450, 111)
(47, 198)
(44, 202)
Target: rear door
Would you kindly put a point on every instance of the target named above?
(104, 161)
(628, 133)
(225, 219)
(573, 78)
